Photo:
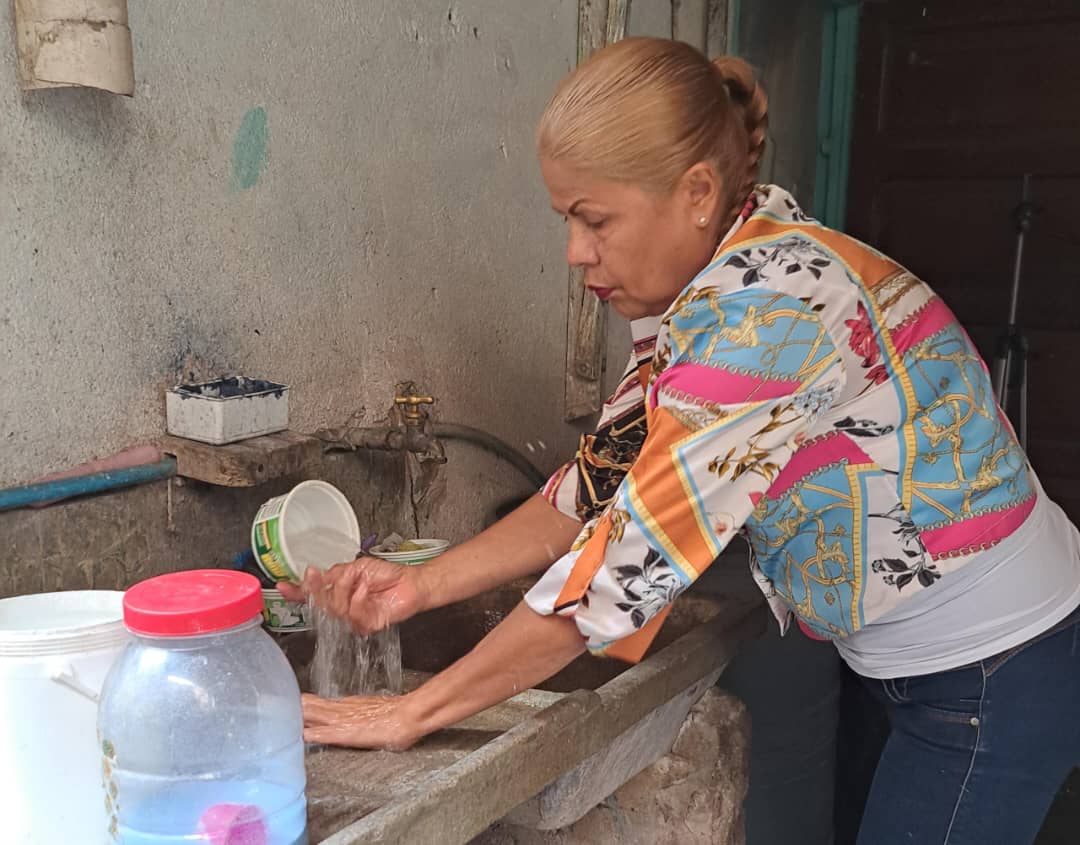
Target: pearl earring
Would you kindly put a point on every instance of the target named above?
(702, 221)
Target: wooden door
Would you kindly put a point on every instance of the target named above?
(955, 101)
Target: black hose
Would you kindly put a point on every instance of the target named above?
(491, 443)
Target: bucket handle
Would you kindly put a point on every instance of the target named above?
(66, 677)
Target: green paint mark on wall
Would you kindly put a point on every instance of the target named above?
(249, 150)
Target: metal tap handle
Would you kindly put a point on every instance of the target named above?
(410, 406)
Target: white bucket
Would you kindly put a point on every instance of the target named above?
(313, 525)
(55, 650)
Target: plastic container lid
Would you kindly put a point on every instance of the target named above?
(199, 601)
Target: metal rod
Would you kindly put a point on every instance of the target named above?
(1023, 223)
(83, 485)
(1024, 400)
(1010, 366)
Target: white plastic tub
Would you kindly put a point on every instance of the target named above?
(227, 410)
(312, 525)
(55, 650)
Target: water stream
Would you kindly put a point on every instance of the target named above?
(346, 663)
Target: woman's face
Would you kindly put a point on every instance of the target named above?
(638, 249)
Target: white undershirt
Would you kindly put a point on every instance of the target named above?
(1005, 596)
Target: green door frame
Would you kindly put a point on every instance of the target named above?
(836, 102)
(734, 18)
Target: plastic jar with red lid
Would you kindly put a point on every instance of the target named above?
(199, 721)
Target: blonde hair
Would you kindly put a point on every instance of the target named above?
(645, 110)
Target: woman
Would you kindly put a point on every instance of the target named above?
(796, 386)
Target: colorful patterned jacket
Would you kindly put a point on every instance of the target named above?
(813, 395)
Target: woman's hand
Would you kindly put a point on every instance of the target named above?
(370, 593)
(361, 721)
(523, 650)
(373, 593)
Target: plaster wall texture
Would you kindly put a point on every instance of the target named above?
(338, 197)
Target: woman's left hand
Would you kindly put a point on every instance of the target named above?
(360, 721)
(524, 649)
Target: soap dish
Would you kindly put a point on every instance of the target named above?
(227, 409)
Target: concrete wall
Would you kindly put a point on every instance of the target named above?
(339, 196)
(340, 200)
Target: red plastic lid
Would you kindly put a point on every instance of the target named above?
(199, 601)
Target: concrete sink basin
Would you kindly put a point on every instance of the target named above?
(432, 641)
(542, 759)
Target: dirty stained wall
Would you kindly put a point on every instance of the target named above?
(340, 197)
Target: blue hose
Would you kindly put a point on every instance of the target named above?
(82, 485)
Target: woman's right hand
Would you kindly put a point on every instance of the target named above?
(370, 593)
(373, 593)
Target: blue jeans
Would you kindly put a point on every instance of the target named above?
(976, 755)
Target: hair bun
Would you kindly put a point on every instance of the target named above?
(742, 88)
(737, 78)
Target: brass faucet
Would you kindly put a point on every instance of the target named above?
(411, 406)
(410, 430)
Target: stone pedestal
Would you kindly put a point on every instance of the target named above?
(691, 796)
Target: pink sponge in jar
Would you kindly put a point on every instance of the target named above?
(234, 824)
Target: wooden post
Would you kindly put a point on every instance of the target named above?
(716, 28)
(592, 27)
(618, 13)
(600, 22)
